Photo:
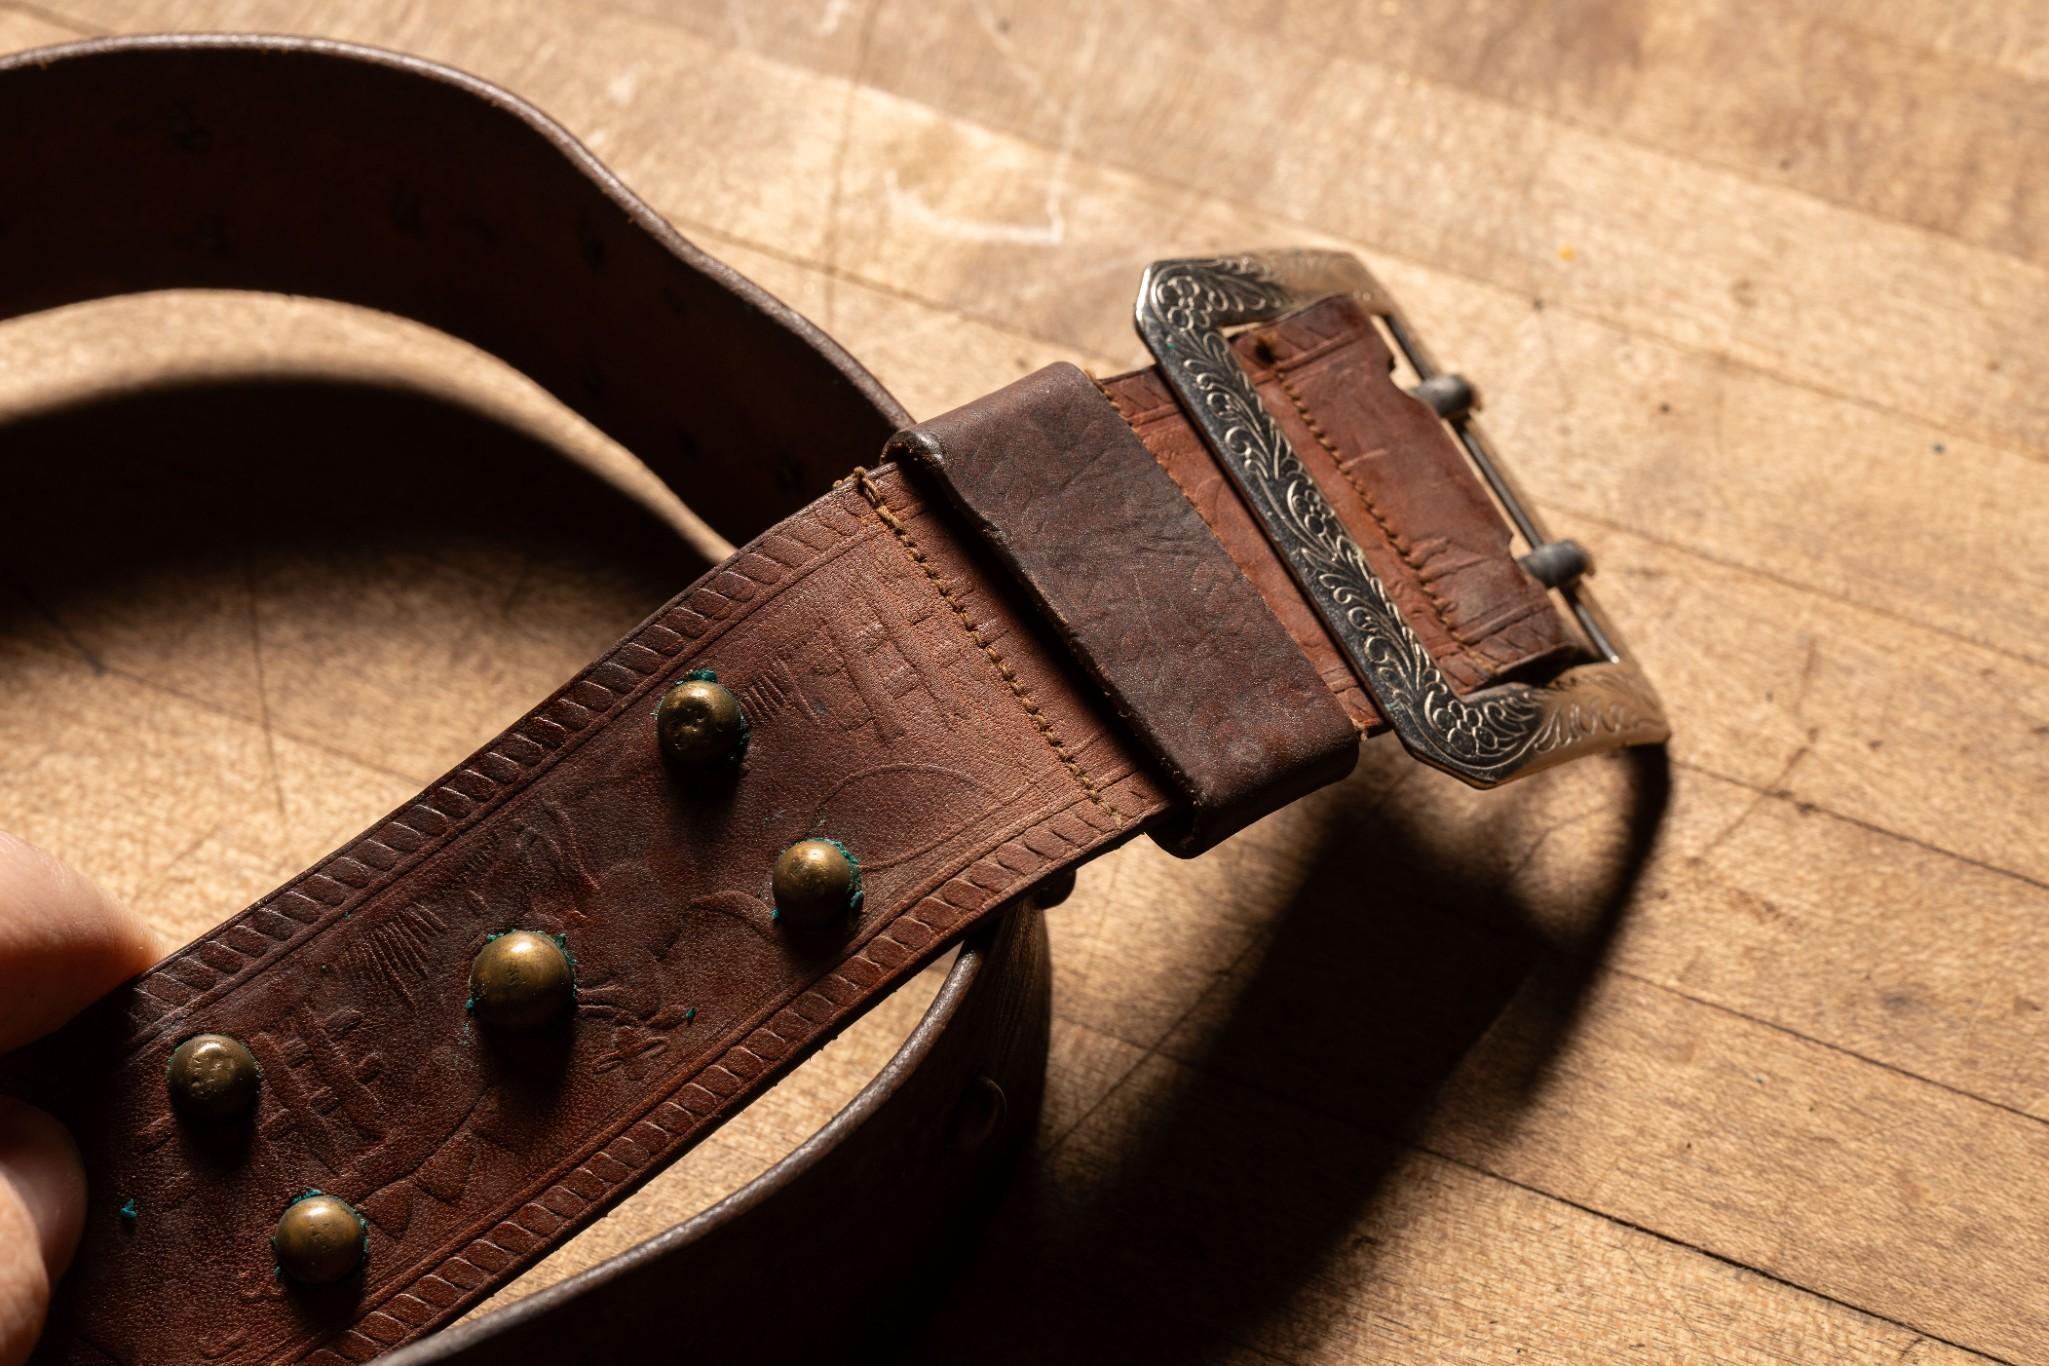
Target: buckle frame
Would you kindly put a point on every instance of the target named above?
(1485, 737)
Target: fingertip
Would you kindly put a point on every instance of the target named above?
(42, 1212)
(63, 939)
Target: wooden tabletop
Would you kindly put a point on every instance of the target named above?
(1743, 1057)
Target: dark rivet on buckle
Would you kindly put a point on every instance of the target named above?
(521, 980)
(213, 1078)
(1449, 396)
(320, 1240)
(816, 883)
(701, 725)
(978, 1116)
(1052, 891)
(1557, 563)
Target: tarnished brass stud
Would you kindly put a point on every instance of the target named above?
(320, 1240)
(213, 1077)
(701, 725)
(521, 980)
(817, 883)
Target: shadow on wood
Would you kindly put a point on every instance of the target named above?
(135, 517)
(1214, 1193)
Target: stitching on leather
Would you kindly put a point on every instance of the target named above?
(1141, 416)
(692, 1104)
(1002, 666)
(1110, 398)
(1172, 477)
(1394, 538)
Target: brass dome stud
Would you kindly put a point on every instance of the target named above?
(700, 724)
(213, 1078)
(320, 1240)
(816, 884)
(521, 980)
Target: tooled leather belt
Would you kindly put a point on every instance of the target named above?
(897, 718)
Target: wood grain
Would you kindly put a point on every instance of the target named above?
(1742, 1060)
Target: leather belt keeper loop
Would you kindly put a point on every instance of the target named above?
(1129, 576)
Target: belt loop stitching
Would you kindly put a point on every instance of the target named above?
(1172, 477)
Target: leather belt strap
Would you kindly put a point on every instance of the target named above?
(1061, 630)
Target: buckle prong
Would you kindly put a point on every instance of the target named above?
(1557, 564)
(1449, 396)
(1485, 737)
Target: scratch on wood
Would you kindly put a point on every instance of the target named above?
(830, 250)
(1776, 789)
(1052, 232)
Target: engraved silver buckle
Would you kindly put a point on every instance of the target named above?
(1488, 736)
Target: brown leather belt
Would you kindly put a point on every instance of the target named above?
(1066, 614)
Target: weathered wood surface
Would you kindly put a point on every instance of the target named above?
(1757, 297)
